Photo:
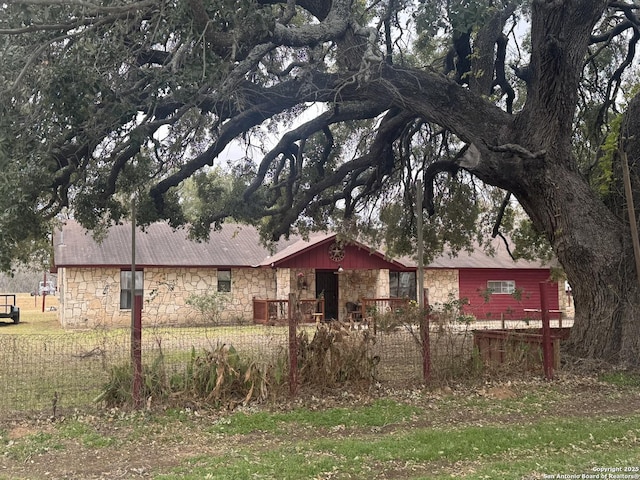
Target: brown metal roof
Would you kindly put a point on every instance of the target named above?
(478, 258)
(234, 245)
(159, 245)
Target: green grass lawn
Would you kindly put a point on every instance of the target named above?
(574, 427)
(32, 319)
(570, 428)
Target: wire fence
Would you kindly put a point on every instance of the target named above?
(70, 370)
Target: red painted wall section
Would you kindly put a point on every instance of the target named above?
(354, 258)
(473, 286)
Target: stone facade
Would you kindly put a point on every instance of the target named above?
(301, 281)
(565, 299)
(356, 284)
(90, 297)
(443, 285)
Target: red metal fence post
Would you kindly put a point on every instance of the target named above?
(547, 356)
(44, 290)
(293, 344)
(136, 351)
(424, 336)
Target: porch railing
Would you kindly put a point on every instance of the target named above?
(278, 311)
(372, 306)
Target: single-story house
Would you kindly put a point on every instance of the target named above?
(254, 282)
(493, 287)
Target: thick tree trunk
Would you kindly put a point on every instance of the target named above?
(593, 246)
(530, 155)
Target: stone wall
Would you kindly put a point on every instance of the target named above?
(303, 282)
(565, 301)
(90, 297)
(283, 283)
(354, 285)
(382, 284)
(247, 283)
(443, 285)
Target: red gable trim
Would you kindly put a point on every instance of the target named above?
(357, 256)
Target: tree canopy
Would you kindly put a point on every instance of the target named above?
(339, 107)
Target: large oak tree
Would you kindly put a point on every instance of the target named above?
(340, 105)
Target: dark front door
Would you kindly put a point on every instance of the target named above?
(327, 285)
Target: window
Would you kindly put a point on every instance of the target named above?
(501, 286)
(224, 280)
(402, 285)
(125, 287)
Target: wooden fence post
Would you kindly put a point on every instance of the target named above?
(547, 357)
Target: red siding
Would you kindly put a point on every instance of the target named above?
(354, 258)
(473, 286)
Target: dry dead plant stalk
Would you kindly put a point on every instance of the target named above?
(335, 356)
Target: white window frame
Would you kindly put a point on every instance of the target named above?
(125, 287)
(501, 287)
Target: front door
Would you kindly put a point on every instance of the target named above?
(327, 285)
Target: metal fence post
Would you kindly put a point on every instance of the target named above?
(424, 336)
(136, 351)
(293, 344)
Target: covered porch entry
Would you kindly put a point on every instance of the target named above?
(328, 277)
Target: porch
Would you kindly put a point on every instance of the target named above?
(279, 311)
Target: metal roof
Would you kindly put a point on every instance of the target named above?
(234, 245)
(479, 258)
(159, 245)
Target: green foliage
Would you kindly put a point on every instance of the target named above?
(224, 378)
(209, 305)
(89, 437)
(529, 243)
(604, 181)
(621, 378)
(39, 443)
(185, 104)
(118, 390)
(497, 450)
(456, 226)
(464, 15)
(416, 433)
